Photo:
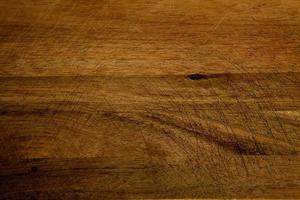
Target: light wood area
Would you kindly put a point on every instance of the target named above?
(164, 99)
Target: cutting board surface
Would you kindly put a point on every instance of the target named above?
(164, 99)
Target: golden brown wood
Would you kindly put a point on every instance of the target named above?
(132, 99)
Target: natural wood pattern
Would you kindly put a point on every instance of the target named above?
(150, 99)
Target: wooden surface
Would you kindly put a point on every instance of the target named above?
(116, 99)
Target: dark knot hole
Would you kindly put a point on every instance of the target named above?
(197, 76)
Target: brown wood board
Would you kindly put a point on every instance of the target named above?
(164, 99)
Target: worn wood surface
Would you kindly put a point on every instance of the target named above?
(149, 99)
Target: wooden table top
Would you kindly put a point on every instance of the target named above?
(158, 99)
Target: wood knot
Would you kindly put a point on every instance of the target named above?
(197, 76)
(34, 169)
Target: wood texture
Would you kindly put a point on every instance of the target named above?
(110, 99)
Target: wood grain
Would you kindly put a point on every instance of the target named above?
(163, 99)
